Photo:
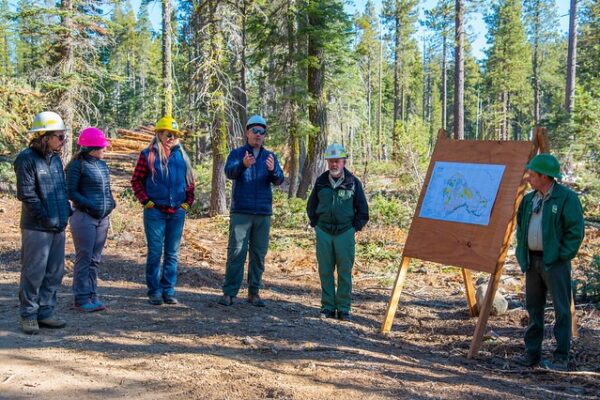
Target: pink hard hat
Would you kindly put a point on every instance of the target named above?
(92, 137)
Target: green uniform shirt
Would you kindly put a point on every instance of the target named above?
(562, 227)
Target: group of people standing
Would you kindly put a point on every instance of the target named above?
(163, 182)
(550, 225)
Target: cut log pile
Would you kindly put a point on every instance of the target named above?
(131, 141)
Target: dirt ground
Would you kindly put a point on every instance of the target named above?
(201, 350)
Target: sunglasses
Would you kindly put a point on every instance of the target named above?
(170, 135)
(258, 131)
(60, 137)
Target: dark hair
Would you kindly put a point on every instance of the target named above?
(39, 143)
(84, 151)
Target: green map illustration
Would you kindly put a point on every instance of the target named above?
(462, 192)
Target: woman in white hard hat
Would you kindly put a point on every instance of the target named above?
(44, 215)
(164, 183)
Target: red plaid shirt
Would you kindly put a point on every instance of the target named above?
(138, 184)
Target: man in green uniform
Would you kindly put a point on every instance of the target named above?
(337, 208)
(549, 233)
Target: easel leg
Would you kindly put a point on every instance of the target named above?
(393, 304)
(470, 291)
(574, 332)
(484, 312)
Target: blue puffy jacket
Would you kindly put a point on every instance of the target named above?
(88, 186)
(42, 191)
(167, 189)
(252, 193)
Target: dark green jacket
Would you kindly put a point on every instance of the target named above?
(562, 227)
(337, 210)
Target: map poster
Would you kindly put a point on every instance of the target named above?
(462, 192)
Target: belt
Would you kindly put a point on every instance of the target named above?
(536, 253)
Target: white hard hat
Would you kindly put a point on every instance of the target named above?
(47, 121)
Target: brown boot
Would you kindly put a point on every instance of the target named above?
(255, 300)
(30, 326)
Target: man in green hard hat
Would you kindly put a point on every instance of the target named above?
(549, 232)
(337, 208)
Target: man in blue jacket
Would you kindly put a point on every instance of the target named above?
(253, 170)
(45, 212)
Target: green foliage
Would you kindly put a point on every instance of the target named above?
(386, 210)
(18, 105)
(288, 213)
(588, 287)
(7, 172)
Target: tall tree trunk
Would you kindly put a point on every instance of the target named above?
(167, 108)
(240, 92)
(444, 83)
(66, 101)
(218, 119)
(292, 105)
(379, 101)
(536, 80)
(459, 72)
(571, 59)
(397, 72)
(317, 110)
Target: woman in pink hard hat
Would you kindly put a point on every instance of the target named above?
(88, 187)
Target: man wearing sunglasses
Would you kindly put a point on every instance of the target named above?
(549, 232)
(45, 213)
(253, 170)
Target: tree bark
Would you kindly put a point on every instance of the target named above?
(218, 120)
(167, 107)
(317, 110)
(459, 72)
(571, 59)
(66, 101)
(397, 72)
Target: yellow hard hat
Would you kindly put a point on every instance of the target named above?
(167, 124)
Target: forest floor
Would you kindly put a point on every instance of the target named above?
(201, 350)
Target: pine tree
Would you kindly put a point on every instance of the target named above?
(326, 30)
(541, 22)
(400, 16)
(508, 67)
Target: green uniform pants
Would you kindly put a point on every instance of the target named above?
(335, 251)
(538, 282)
(247, 232)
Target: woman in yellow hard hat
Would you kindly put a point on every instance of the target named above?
(163, 182)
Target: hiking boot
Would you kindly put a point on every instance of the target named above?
(344, 316)
(155, 300)
(255, 300)
(30, 326)
(560, 365)
(52, 322)
(327, 314)
(225, 300)
(89, 307)
(170, 300)
(99, 305)
(527, 360)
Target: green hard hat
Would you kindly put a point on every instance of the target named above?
(545, 164)
(335, 150)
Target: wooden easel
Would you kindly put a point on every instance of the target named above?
(506, 215)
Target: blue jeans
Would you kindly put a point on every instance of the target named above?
(163, 232)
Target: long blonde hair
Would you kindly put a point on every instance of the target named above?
(156, 144)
